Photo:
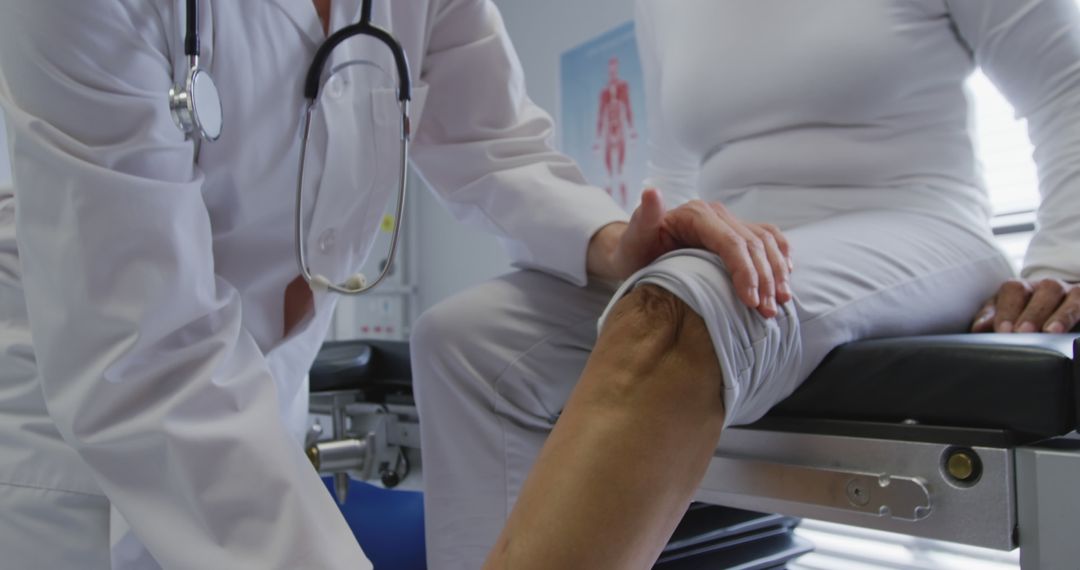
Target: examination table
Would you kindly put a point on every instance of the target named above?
(963, 438)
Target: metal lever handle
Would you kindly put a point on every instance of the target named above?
(342, 456)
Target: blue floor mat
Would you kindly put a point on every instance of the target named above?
(389, 525)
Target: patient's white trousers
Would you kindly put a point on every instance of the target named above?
(494, 365)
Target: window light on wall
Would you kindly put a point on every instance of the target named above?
(1004, 150)
(1005, 154)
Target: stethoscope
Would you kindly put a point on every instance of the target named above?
(196, 109)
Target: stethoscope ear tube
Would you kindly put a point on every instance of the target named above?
(191, 36)
(314, 74)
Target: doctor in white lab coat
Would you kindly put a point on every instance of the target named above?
(156, 416)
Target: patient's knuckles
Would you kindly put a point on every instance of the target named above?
(1051, 287)
(1042, 303)
(1071, 307)
(1014, 292)
(1069, 315)
(1015, 287)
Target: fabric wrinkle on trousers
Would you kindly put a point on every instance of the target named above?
(494, 365)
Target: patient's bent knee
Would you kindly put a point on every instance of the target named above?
(647, 316)
(652, 336)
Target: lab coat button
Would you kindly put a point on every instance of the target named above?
(327, 240)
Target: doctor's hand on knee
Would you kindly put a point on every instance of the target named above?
(757, 256)
(1046, 305)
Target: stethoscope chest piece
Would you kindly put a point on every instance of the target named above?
(196, 107)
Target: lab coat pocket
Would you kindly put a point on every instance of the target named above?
(350, 182)
(361, 174)
(373, 223)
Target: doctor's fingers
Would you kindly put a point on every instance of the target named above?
(642, 241)
(781, 241)
(769, 261)
(696, 224)
(778, 250)
(763, 258)
(1054, 307)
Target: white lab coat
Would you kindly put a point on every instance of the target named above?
(152, 278)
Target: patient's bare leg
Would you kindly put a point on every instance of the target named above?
(630, 448)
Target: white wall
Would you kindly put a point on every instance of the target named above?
(450, 255)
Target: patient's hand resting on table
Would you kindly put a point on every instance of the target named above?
(1047, 305)
(757, 255)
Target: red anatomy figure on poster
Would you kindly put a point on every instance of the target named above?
(610, 131)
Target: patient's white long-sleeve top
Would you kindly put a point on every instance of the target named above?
(863, 94)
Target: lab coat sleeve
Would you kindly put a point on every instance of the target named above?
(1031, 50)
(485, 148)
(143, 360)
(671, 168)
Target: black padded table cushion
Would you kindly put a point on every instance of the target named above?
(357, 364)
(1023, 383)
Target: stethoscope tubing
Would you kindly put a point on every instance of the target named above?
(188, 120)
(356, 284)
